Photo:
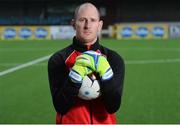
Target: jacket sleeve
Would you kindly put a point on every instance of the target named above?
(112, 89)
(63, 91)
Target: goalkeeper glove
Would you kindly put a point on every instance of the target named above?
(104, 69)
(78, 72)
(88, 59)
(96, 62)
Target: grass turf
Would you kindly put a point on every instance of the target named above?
(151, 90)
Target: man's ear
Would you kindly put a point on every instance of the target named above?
(73, 23)
(100, 26)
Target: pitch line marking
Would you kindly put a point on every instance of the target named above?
(131, 49)
(176, 60)
(15, 64)
(24, 65)
(153, 61)
(23, 49)
(21, 66)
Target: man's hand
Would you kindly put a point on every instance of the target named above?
(104, 69)
(78, 72)
(88, 59)
(97, 63)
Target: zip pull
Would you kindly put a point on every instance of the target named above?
(89, 47)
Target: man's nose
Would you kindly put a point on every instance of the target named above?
(87, 24)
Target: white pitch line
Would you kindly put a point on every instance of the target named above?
(23, 49)
(24, 65)
(153, 61)
(126, 62)
(151, 49)
(176, 60)
(126, 49)
(15, 64)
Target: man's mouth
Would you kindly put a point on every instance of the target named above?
(87, 32)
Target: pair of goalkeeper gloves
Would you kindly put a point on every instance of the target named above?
(90, 62)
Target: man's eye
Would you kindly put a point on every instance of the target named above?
(93, 20)
(81, 20)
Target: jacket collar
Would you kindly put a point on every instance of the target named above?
(82, 48)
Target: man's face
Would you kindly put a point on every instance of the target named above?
(87, 24)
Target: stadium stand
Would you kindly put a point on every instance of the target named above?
(46, 12)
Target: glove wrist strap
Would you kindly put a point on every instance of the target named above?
(108, 75)
(75, 77)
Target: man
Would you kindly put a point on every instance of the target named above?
(66, 73)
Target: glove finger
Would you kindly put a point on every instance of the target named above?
(94, 55)
(85, 61)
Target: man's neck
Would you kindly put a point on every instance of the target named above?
(91, 42)
(84, 42)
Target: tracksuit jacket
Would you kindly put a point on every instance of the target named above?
(73, 110)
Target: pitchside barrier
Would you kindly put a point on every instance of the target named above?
(145, 30)
(118, 31)
(24, 32)
(174, 30)
(140, 31)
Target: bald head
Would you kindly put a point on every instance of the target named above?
(85, 6)
(87, 23)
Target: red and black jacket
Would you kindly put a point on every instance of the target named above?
(71, 109)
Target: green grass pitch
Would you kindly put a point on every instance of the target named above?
(151, 88)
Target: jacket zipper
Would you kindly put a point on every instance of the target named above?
(90, 112)
(61, 119)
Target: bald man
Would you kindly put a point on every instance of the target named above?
(71, 109)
